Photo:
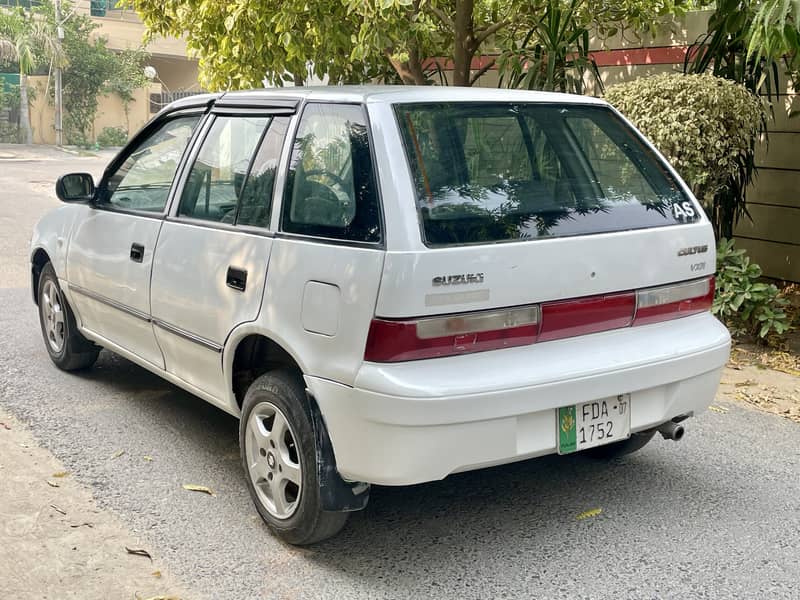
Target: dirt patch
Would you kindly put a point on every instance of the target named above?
(54, 541)
(765, 379)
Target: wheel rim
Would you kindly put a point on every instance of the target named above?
(53, 316)
(273, 460)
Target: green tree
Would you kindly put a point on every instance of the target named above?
(774, 35)
(241, 42)
(28, 42)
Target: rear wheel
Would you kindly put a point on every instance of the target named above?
(637, 441)
(67, 348)
(279, 456)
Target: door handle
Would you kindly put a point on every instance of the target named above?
(236, 278)
(137, 252)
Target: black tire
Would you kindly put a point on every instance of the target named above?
(75, 352)
(637, 441)
(308, 524)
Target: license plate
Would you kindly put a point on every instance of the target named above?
(595, 423)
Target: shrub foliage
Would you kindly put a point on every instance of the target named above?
(707, 127)
(746, 304)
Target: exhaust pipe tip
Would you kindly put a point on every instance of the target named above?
(672, 431)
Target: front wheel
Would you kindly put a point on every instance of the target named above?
(67, 348)
(279, 456)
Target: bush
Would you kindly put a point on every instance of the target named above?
(112, 136)
(707, 127)
(746, 305)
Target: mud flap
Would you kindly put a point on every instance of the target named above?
(335, 494)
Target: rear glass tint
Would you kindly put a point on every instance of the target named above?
(502, 172)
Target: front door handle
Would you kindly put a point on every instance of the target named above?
(236, 278)
(137, 252)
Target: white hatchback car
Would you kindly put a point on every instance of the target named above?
(389, 285)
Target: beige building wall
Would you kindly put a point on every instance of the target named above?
(110, 112)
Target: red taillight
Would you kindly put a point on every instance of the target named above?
(391, 341)
(448, 335)
(674, 301)
(568, 318)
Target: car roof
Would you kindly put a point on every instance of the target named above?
(394, 94)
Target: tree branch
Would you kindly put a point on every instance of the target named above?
(442, 16)
(477, 74)
(482, 35)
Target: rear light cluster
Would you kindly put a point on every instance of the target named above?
(448, 335)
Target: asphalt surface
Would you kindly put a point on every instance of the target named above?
(714, 516)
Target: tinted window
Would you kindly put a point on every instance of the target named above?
(498, 172)
(256, 199)
(144, 179)
(330, 189)
(218, 175)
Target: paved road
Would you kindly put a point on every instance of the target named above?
(715, 516)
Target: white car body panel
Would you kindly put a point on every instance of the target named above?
(190, 297)
(521, 273)
(396, 423)
(100, 272)
(356, 274)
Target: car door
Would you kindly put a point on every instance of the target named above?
(212, 255)
(110, 253)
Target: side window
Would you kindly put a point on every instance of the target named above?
(255, 203)
(212, 189)
(144, 179)
(330, 189)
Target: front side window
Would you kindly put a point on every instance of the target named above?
(499, 172)
(218, 175)
(330, 188)
(144, 179)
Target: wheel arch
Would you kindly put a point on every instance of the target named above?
(251, 352)
(39, 258)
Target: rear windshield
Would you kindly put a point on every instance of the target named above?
(503, 172)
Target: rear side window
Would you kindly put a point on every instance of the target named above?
(330, 189)
(503, 172)
(212, 190)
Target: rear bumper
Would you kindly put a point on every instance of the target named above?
(420, 421)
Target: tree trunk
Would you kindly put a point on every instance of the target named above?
(464, 46)
(24, 111)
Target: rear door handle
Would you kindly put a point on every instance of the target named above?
(137, 252)
(236, 278)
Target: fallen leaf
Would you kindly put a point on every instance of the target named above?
(745, 383)
(60, 474)
(588, 514)
(148, 458)
(52, 483)
(117, 454)
(198, 488)
(156, 574)
(138, 552)
(55, 508)
(719, 409)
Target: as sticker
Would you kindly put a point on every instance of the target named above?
(683, 210)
